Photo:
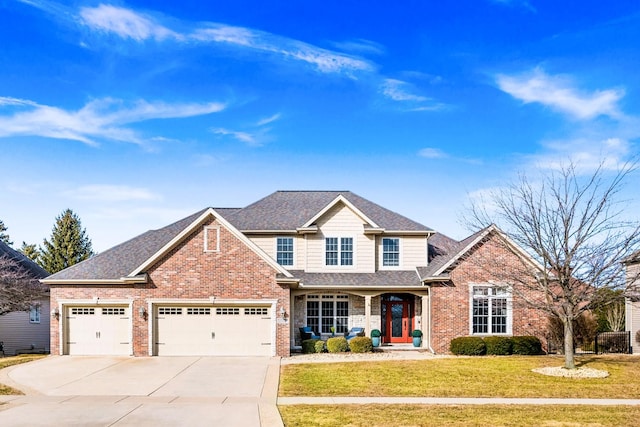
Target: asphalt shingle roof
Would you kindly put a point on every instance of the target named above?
(379, 278)
(122, 260)
(34, 269)
(289, 210)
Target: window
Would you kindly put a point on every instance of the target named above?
(339, 251)
(491, 310)
(284, 250)
(34, 314)
(328, 311)
(390, 252)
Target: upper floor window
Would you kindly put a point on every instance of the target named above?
(339, 251)
(284, 250)
(390, 252)
(491, 310)
(34, 314)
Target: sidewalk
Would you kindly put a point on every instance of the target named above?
(450, 401)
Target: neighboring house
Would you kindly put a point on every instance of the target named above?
(243, 281)
(26, 330)
(632, 302)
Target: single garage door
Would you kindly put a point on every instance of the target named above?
(98, 330)
(212, 331)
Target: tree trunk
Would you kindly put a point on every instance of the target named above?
(569, 356)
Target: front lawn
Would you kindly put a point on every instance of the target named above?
(508, 376)
(450, 415)
(15, 360)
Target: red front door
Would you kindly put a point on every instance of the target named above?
(397, 321)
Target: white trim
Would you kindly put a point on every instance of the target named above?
(207, 229)
(339, 265)
(335, 201)
(128, 280)
(189, 229)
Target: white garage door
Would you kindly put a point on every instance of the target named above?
(212, 331)
(98, 330)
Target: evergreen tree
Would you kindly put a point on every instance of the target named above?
(4, 237)
(68, 246)
(30, 251)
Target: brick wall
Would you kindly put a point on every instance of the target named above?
(187, 272)
(451, 304)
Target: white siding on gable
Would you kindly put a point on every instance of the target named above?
(18, 333)
(340, 221)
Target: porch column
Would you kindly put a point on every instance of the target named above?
(367, 312)
(426, 321)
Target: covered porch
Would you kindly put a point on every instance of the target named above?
(331, 312)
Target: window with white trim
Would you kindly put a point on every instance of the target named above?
(491, 310)
(284, 250)
(390, 252)
(34, 314)
(328, 311)
(338, 250)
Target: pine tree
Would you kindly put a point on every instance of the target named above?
(68, 246)
(4, 237)
(30, 251)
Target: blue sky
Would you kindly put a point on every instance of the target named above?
(135, 114)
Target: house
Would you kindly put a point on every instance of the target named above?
(632, 301)
(243, 281)
(25, 331)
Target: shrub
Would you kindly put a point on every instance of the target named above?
(376, 333)
(361, 345)
(309, 346)
(499, 346)
(337, 345)
(320, 347)
(526, 345)
(417, 333)
(468, 346)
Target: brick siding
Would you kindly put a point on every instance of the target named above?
(188, 272)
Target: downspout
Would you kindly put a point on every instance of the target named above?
(429, 343)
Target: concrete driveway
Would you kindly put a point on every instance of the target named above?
(143, 391)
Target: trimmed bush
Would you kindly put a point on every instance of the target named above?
(468, 346)
(337, 345)
(499, 346)
(526, 345)
(320, 347)
(309, 346)
(361, 345)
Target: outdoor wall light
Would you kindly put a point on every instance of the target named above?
(283, 313)
(55, 313)
(143, 312)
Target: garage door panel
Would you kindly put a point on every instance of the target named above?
(98, 331)
(213, 331)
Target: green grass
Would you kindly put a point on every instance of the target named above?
(509, 376)
(15, 360)
(450, 415)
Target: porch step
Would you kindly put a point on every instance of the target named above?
(400, 347)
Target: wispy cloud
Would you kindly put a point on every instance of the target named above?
(361, 46)
(403, 93)
(559, 93)
(268, 120)
(124, 22)
(111, 193)
(246, 137)
(433, 153)
(101, 119)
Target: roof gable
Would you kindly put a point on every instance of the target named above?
(335, 202)
(291, 210)
(125, 262)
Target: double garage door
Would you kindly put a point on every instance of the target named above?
(178, 330)
(212, 331)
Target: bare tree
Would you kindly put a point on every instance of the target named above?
(19, 288)
(573, 230)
